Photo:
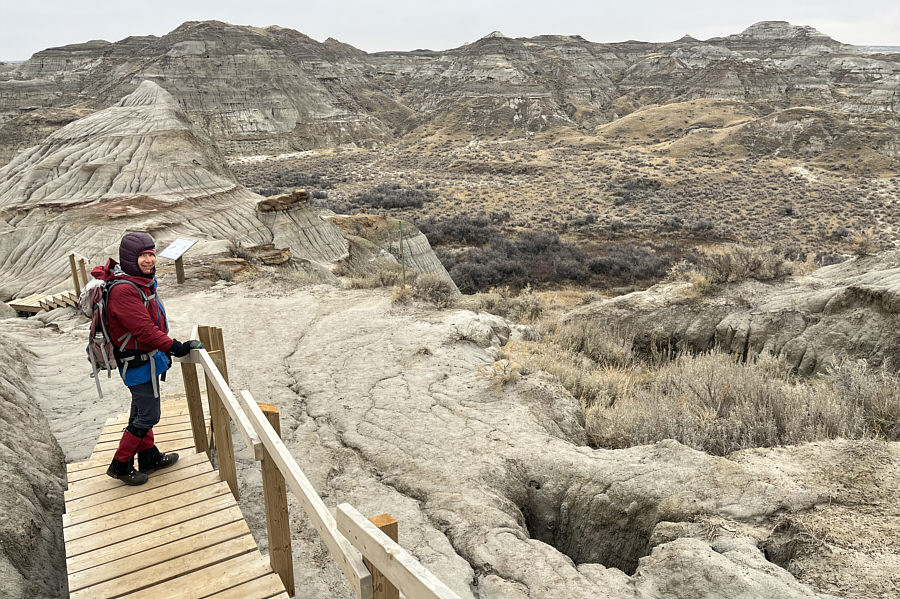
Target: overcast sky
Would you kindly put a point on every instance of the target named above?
(27, 26)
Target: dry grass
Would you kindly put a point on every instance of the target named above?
(523, 306)
(712, 402)
(434, 289)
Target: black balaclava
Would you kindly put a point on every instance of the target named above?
(133, 244)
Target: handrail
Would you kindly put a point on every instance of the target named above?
(362, 552)
(392, 560)
(348, 559)
(245, 429)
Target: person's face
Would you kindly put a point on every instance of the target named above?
(146, 262)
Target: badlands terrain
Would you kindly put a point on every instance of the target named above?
(729, 428)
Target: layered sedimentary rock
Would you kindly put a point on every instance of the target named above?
(273, 90)
(850, 309)
(138, 165)
(375, 241)
(31, 496)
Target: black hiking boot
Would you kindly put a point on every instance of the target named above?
(125, 472)
(151, 460)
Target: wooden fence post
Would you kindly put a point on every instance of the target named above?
(81, 268)
(218, 414)
(278, 523)
(74, 273)
(195, 406)
(382, 587)
(219, 344)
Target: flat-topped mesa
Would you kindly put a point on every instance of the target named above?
(142, 147)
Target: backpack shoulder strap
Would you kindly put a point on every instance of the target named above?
(145, 298)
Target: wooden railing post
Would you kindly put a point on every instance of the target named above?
(382, 588)
(195, 406)
(278, 523)
(217, 412)
(83, 270)
(74, 273)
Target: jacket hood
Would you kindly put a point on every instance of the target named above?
(111, 271)
(130, 248)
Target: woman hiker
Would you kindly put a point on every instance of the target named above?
(137, 325)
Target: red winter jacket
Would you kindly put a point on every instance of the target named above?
(126, 312)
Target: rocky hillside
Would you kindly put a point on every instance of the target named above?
(265, 91)
(141, 164)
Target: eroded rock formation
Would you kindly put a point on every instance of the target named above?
(274, 90)
(139, 165)
(849, 309)
(31, 496)
(397, 410)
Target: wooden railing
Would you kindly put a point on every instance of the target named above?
(76, 280)
(366, 551)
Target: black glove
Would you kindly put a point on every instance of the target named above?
(180, 350)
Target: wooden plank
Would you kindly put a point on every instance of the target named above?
(180, 445)
(251, 439)
(278, 524)
(157, 564)
(345, 556)
(124, 518)
(195, 405)
(74, 273)
(119, 492)
(172, 570)
(219, 417)
(87, 486)
(81, 268)
(148, 525)
(191, 482)
(401, 568)
(159, 538)
(213, 579)
(267, 587)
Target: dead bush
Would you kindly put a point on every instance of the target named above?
(237, 250)
(401, 294)
(730, 263)
(524, 306)
(435, 289)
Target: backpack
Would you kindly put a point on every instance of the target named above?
(93, 303)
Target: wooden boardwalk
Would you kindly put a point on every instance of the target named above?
(38, 302)
(180, 535)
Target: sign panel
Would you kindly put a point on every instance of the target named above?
(178, 248)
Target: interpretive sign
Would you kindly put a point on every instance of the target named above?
(178, 248)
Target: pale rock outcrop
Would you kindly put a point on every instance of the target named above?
(392, 410)
(849, 309)
(33, 474)
(374, 241)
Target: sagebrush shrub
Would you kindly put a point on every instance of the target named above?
(435, 289)
(730, 263)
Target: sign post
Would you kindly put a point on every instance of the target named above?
(175, 252)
